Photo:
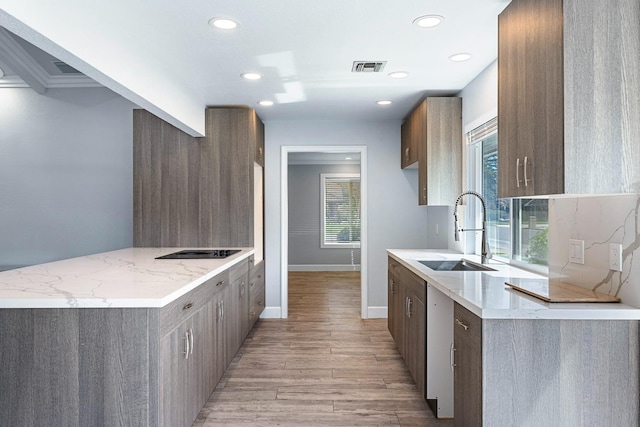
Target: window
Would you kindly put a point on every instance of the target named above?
(517, 229)
(340, 210)
(531, 231)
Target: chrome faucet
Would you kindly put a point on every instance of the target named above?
(486, 252)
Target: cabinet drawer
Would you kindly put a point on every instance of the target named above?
(238, 270)
(179, 310)
(467, 322)
(257, 272)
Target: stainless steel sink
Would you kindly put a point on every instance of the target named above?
(455, 265)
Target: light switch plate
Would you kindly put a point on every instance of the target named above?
(576, 251)
(615, 256)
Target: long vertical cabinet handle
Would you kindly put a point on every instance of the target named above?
(222, 305)
(409, 302)
(518, 172)
(187, 345)
(452, 357)
(526, 180)
(393, 286)
(191, 341)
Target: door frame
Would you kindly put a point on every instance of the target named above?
(284, 219)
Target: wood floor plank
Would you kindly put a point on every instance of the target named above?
(323, 366)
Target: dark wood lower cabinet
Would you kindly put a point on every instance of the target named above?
(121, 366)
(545, 372)
(408, 320)
(467, 339)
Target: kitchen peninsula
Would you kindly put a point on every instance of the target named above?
(514, 359)
(122, 338)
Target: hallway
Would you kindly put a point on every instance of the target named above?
(323, 366)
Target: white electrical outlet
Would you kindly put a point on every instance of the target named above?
(576, 251)
(615, 256)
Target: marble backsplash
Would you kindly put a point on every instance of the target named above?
(598, 220)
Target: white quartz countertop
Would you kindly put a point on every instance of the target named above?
(486, 295)
(124, 278)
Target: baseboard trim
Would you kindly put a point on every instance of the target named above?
(372, 312)
(271, 313)
(378, 312)
(324, 267)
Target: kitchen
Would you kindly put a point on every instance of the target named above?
(389, 233)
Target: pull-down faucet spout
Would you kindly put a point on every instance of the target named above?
(485, 252)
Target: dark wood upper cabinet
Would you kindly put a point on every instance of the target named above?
(409, 141)
(568, 97)
(530, 99)
(431, 135)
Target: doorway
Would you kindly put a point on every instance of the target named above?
(284, 217)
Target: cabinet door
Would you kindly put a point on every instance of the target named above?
(207, 336)
(256, 293)
(220, 334)
(443, 127)
(530, 99)
(233, 318)
(258, 140)
(226, 189)
(201, 363)
(416, 328)
(420, 122)
(397, 309)
(408, 143)
(174, 398)
(467, 338)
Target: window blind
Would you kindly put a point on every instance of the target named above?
(341, 210)
(483, 130)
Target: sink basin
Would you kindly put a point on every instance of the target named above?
(455, 265)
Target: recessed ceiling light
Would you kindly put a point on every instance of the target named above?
(399, 75)
(383, 102)
(348, 158)
(266, 103)
(428, 21)
(460, 57)
(223, 23)
(251, 76)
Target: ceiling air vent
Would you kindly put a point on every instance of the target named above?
(368, 66)
(65, 68)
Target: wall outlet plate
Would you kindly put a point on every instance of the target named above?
(615, 256)
(576, 251)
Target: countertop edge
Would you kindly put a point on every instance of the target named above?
(546, 311)
(130, 302)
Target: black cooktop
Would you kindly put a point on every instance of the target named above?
(201, 254)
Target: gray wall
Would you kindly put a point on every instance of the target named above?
(304, 219)
(65, 174)
(394, 218)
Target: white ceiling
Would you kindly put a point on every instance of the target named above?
(303, 48)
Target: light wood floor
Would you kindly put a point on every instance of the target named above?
(323, 366)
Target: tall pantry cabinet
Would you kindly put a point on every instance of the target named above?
(202, 192)
(199, 192)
